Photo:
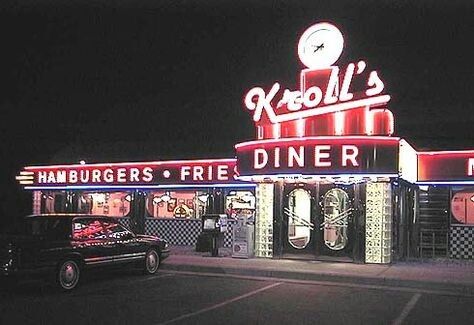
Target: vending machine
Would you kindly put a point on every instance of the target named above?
(243, 237)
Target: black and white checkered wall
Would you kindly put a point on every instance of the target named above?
(183, 232)
(462, 241)
(124, 222)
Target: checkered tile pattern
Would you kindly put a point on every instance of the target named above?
(124, 222)
(228, 235)
(462, 241)
(181, 232)
(175, 231)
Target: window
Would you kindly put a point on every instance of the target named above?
(176, 204)
(116, 204)
(53, 202)
(240, 202)
(51, 228)
(298, 212)
(88, 229)
(336, 209)
(116, 231)
(462, 205)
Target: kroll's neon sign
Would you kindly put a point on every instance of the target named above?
(314, 100)
(351, 98)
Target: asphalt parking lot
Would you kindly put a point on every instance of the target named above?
(191, 298)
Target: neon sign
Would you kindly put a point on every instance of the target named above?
(160, 173)
(319, 156)
(326, 94)
(441, 167)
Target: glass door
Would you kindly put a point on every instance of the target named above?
(298, 222)
(335, 229)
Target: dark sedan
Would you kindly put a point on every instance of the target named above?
(65, 245)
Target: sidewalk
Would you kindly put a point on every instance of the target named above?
(440, 275)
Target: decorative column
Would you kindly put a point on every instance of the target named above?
(264, 220)
(378, 223)
(36, 202)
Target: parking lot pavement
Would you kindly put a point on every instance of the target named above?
(175, 298)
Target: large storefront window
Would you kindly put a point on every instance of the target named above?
(462, 205)
(176, 204)
(53, 202)
(114, 204)
(240, 203)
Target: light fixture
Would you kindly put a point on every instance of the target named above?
(203, 198)
(82, 162)
(166, 197)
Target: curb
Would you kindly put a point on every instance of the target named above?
(447, 287)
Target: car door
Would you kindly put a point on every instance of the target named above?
(90, 239)
(127, 247)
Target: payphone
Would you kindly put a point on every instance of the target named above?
(243, 237)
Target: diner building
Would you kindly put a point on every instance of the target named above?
(325, 178)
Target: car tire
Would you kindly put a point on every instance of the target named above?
(152, 261)
(68, 274)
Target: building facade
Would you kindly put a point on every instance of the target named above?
(325, 178)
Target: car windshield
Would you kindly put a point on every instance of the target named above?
(41, 226)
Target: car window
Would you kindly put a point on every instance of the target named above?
(52, 228)
(116, 231)
(88, 229)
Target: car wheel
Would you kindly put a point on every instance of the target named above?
(152, 261)
(68, 274)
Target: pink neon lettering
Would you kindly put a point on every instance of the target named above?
(376, 84)
(350, 153)
(260, 158)
(262, 102)
(294, 156)
(470, 167)
(319, 155)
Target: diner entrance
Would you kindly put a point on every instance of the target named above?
(319, 221)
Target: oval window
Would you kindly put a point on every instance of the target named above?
(336, 209)
(298, 212)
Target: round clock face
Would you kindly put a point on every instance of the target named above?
(320, 46)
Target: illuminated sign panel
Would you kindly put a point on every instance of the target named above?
(446, 166)
(219, 171)
(330, 100)
(319, 156)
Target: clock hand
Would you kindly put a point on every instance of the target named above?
(319, 47)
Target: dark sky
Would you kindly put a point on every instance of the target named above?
(138, 80)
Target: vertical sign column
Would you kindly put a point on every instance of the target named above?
(264, 221)
(378, 223)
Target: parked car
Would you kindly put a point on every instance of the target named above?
(65, 245)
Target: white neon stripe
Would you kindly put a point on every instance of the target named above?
(308, 139)
(318, 176)
(26, 182)
(382, 99)
(79, 187)
(24, 178)
(154, 163)
(431, 153)
(25, 173)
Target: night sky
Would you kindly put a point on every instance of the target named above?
(138, 80)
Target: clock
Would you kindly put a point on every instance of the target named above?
(320, 46)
